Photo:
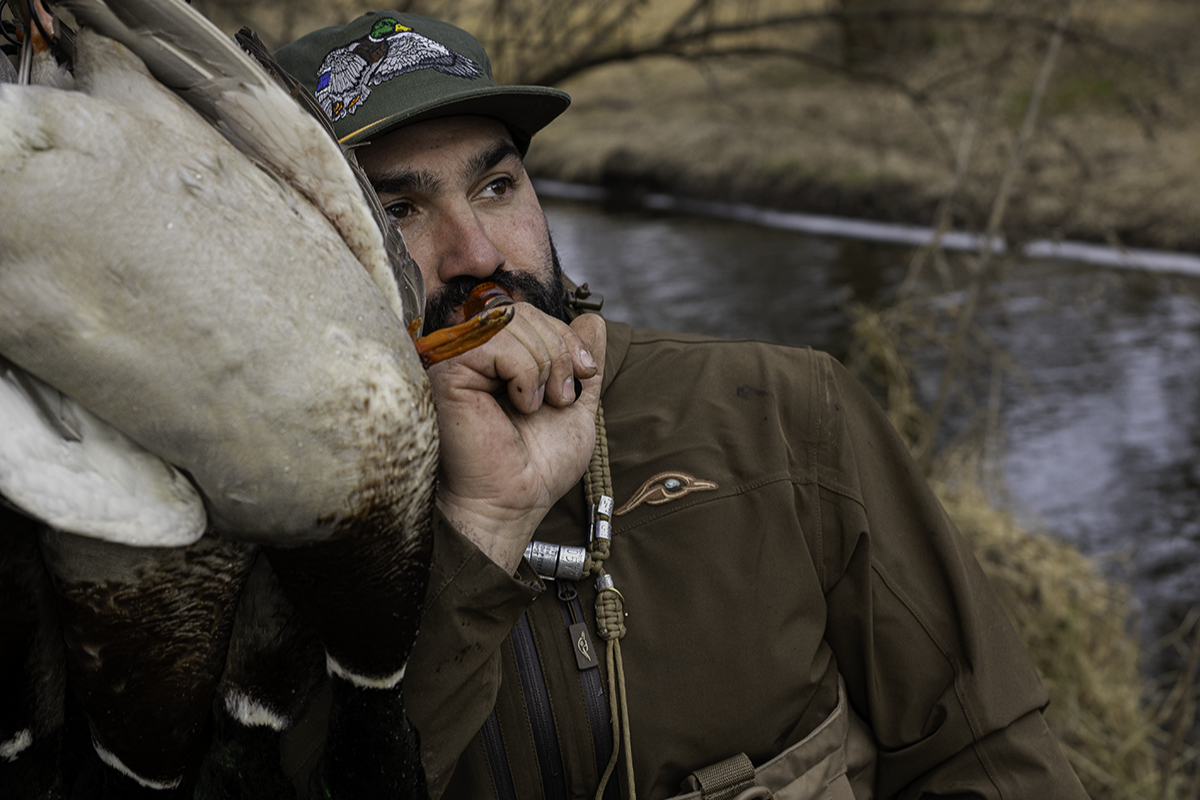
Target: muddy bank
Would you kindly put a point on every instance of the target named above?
(784, 136)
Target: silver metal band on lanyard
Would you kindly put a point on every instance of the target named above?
(565, 562)
(556, 561)
(600, 514)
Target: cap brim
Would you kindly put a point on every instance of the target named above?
(524, 109)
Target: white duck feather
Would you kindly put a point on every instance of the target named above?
(95, 483)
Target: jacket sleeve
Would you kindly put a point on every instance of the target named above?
(453, 675)
(928, 655)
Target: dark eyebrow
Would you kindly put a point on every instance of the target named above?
(419, 181)
(424, 182)
(486, 159)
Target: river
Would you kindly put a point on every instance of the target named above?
(1102, 441)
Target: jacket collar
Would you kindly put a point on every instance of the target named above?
(619, 336)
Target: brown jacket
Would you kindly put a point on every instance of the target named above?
(818, 557)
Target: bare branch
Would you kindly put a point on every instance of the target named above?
(996, 219)
(678, 37)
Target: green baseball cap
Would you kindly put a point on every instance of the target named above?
(387, 69)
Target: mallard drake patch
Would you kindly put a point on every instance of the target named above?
(389, 49)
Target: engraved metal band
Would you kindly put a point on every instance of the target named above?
(556, 562)
(605, 506)
(603, 529)
(604, 582)
(570, 563)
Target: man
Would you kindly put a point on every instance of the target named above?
(799, 613)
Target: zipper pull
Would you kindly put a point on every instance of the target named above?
(581, 640)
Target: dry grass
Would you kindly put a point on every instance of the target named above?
(1114, 157)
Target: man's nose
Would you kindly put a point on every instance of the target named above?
(465, 247)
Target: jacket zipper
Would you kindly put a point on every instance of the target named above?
(541, 719)
(593, 690)
(493, 746)
(537, 701)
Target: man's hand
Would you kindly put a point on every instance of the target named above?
(514, 437)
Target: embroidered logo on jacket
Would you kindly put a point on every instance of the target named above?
(665, 487)
(347, 74)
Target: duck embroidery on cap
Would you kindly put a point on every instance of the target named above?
(347, 74)
(665, 487)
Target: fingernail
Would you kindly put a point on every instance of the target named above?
(568, 390)
(586, 359)
(537, 398)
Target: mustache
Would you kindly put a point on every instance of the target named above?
(546, 296)
(443, 304)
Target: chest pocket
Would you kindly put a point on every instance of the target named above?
(834, 762)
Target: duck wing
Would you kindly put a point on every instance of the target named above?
(64, 466)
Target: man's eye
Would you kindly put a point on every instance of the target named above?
(499, 187)
(399, 210)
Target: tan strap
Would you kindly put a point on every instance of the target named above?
(815, 767)
(724, 780)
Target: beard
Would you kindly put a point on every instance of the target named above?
(546, 295)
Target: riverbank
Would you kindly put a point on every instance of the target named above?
(1113, 161)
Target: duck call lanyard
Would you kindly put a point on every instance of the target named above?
(573, 563)
(610, 605)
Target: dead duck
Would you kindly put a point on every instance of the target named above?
(218, 316)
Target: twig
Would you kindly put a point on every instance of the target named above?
(622, 16)
(681, 23)
(996, 219)
(942, 216)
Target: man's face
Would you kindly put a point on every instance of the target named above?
(457, 189)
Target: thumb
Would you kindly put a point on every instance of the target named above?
(591, 330)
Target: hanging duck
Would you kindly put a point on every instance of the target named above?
(210, 352)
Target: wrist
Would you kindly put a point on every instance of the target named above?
(502, 534)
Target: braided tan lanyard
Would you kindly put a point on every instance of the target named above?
(610, 604)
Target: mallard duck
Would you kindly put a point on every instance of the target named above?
(221, 302)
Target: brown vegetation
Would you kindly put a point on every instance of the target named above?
(1113, 159)
(1117, 729)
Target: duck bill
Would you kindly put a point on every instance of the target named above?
(458, 339)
